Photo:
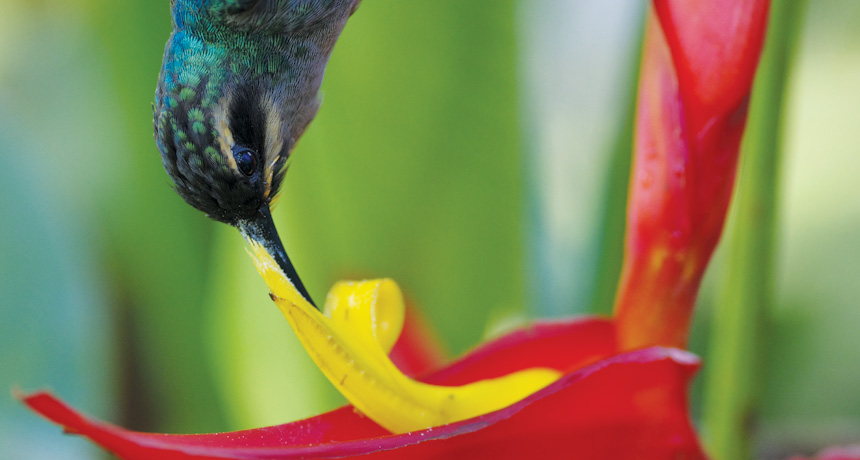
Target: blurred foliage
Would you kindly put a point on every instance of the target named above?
(742, 316)
(809, 395)
(577, 147)
(412, 170)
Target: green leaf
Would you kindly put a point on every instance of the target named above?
(742, 314)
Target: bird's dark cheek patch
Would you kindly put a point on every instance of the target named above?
(247, 118)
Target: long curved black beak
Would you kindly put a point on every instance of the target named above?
(262, 230)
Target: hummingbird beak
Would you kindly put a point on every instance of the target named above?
(261, 229)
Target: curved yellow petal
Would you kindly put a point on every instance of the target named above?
(373, 310)
(350, 344)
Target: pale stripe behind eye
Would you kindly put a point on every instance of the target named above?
(225, 136)
(274, 143)
(274, 138)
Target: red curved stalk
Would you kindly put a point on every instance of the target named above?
(698, 64)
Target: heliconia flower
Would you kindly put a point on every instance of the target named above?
(586, 388)
(631, 405)
(597, 402)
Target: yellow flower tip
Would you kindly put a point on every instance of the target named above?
(373, 309)
(350, 344)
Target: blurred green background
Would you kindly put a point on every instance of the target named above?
(464, 149)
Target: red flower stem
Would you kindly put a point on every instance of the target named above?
(737, 352)
(646, 311)
(698, 63)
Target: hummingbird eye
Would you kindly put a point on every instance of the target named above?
(246, 160)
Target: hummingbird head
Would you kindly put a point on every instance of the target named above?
(238, 87)
(227, 156)
(225, 131)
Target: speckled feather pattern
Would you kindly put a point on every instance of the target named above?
(240, 73)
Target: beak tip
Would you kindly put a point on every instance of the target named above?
(261, 230)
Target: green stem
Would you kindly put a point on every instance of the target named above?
(734, 378)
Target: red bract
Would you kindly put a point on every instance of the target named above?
(630, 405)
(698, 65)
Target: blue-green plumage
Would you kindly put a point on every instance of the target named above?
(238, 86)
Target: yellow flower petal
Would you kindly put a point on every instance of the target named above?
(350, 344)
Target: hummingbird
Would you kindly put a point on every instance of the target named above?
(238, 86)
